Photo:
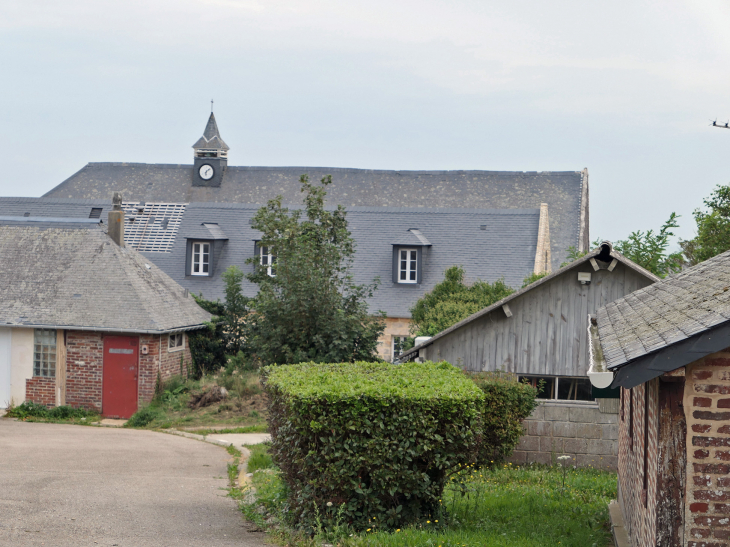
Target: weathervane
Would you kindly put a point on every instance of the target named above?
(715, 124)
(211, 106)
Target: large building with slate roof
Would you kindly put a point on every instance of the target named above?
(211, 179)
(83, 321)
(490, 244)
(668, 348)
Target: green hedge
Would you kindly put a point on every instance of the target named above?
(370, 440)
(506, 403)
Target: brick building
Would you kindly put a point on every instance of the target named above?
(85, 321)
(668, 349)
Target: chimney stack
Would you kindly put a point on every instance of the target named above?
(116, 220)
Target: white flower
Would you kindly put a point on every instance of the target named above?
(563, 458)
(329, 504)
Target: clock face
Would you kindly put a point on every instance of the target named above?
(206, 172)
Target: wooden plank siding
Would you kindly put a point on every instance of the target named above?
(547, 333)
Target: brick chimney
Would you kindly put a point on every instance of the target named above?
(116, 220)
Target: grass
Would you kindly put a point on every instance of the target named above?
(504, 507)
(33, 412)
(243, 411)
(259, 458)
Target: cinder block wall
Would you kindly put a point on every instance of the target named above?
(581, 431)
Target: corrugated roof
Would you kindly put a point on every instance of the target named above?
(666, 313)
(566, 192)
(63, 275)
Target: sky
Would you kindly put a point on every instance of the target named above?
(624, 88)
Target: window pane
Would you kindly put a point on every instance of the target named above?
(413, 275)
(205, 267)
(404, 255)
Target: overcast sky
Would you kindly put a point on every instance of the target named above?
(624, 88)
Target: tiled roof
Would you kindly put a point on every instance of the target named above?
(565, 192)
(211, 137)
(667, 312)
(504, 248)
(69, 275)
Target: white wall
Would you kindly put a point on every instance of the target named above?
(4, 367)
(21, 359)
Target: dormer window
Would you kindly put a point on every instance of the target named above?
(407, 265)
(201, 258)
(268, 261)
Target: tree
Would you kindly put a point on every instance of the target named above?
(530, 279)
(649, 249)
(310, 309)
(235, 311)
(713, 228)
(452, 300)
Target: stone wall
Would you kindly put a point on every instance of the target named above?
(394, 326)
(579, 430)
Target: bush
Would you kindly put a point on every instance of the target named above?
(370, 440)
(507, 403)
(143, 417)
(30, 409)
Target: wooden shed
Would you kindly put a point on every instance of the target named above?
(540, 333)
(668, 348)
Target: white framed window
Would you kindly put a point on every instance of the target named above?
(268, 260)
(397, 346)
(201, 258)
(44, 358)
(561, 388)
(176, 342)
(407, 265)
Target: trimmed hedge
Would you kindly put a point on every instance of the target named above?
(507, 403)
(370, 440)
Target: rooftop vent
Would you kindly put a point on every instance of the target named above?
(26, 214)
(95, 212)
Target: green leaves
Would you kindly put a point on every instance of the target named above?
(390, 437)
(649, 249)
(451, 301)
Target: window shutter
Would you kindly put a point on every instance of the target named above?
(395, 264)
(189, 257)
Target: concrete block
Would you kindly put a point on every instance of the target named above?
(564, 429)
(551, 444)
(528, 443)
(601, 448)
(538, 413)
(541, 429)
(588, 460)
(589, 431)
(539, 457)
(556, 413)
(575, 446)
(609, 462)
(518, 456)
(609, 432)
(585, 415)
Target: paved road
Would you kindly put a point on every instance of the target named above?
(64, 485)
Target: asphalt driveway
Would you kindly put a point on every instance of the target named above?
(64, 485)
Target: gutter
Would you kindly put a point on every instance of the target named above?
(103, 329)
(598, 372)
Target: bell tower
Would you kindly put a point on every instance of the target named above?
(211, 156)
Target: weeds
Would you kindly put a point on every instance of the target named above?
(29, 411)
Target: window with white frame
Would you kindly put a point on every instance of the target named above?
(176, 342)
(398, 346)
(562, 388)
(407, 265)
(44, 359)
(201, 258)
(268, 260)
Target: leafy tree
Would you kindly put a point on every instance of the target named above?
(713, 228)
(207, 347)
(530, 279)
(452, 300)
(649, 249)
(574, 254)
(234, 311)
(311, 309)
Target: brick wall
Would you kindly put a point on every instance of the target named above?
(41, 390)
(581, 431)
(148, 367)
(84, 366)
(707, 409)
(637, 459)
(170, 361)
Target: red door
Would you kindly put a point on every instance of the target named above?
(119, 387)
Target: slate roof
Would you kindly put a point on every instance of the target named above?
(505, 248)
(603, 252)
(72, 275)
(211, 138)
(666, 313)
(565, 192)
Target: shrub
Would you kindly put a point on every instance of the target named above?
(370, 440)
(30, 409)
(507, 403)
(143, 417)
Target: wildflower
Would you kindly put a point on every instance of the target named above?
(398, 530)
(329, 504)
(369, 529)
(428, 522)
